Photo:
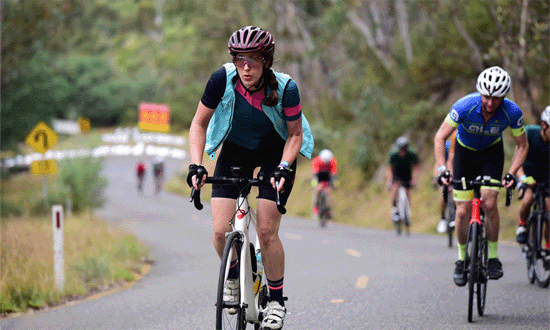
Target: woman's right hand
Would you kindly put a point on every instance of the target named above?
(195, 171)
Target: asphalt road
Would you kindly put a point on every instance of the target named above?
(339, 277)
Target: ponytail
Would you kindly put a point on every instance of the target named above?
(273, 98)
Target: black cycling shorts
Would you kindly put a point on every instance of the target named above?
(267, 157)
(471, 164)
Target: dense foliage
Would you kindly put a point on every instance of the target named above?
(371, 70)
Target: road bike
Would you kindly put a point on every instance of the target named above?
(323, 208)
(403, 212)
(449, 214)
(253, 292)
(140, 179)
(477, 248)
(538, 267)
(158, 177)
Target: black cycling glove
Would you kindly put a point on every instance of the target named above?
(510, 177)
(284, 172)
(443, 174)
(195, 169)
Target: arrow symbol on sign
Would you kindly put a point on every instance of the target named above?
(44, 138)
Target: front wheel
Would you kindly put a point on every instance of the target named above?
(483, 273)
(450, 212)
(541, 263)
(473, 267)
(323, 208)
(530, 249)
(229, 315)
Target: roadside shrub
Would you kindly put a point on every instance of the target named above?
(80, 180)
(7, 209)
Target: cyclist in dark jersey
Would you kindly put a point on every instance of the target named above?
(479, 119)
(254, 114)
(535, 169)
(403, 170)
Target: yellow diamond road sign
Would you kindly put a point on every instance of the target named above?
(42, 138)
(44, 166)
(84, 124)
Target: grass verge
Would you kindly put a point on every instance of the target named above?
(97, 258)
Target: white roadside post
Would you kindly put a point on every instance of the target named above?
(58, 249)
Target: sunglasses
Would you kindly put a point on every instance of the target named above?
(252, 62)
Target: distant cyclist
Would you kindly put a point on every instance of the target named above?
(449, 156)
(403, 170)
(158, 173)
(325, 174)
(140, 173)
(479, 119)
(535, 169)
(254, 114)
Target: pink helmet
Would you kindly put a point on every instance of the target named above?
(252, 39)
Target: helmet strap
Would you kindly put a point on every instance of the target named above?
(256, 87)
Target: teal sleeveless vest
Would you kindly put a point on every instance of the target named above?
(220, 123)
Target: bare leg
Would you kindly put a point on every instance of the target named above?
(273, 254)
(223, 210)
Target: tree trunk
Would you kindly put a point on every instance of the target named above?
(403, 23)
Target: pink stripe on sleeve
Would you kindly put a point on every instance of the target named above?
(293, 111)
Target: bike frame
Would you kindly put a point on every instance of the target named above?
(244, 217)
(403, 205)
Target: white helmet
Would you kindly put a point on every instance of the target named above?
(493, 81)
(326, 155)
(402, 142)
(546, 115)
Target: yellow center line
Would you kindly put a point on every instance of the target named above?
(337, 301)
(362, 282)
(353, 253)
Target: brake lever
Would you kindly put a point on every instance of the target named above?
(280, 207)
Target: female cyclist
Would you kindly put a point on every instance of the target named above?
(254, 114)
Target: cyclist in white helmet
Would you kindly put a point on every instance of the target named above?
(479, 119)
(325, 174)
(158, 173)
(403, 170)
(535, 169)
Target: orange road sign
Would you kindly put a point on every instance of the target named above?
(154, 117)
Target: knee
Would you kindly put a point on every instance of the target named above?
(462, 212)
(489, 205)
(267, 236)
(219, 236)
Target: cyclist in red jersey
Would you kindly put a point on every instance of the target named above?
(140, 172)
(325, 174)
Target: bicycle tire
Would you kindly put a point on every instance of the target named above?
(397, 226)
(323, 208)
(483, 273)
(541, 267)
(530, 253)
(472, 276)
(225, 320)
(450, 212)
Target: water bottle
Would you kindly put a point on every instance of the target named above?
(258, 283)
